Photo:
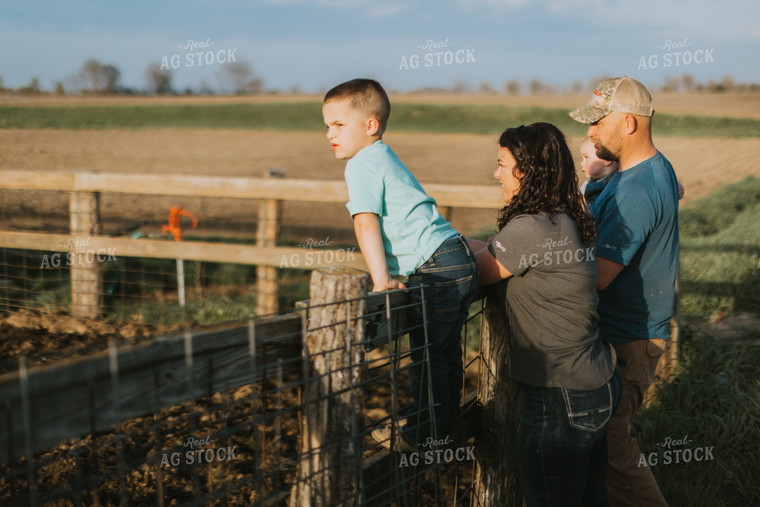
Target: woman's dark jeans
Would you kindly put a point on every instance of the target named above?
(562, 444)
(449, 280)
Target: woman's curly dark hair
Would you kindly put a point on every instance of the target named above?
(546, 172)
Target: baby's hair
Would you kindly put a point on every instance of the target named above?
(367, 96)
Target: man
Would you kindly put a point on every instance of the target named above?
(637, 260)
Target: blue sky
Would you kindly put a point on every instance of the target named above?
(314, 44)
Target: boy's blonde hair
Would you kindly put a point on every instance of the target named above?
(365, 95)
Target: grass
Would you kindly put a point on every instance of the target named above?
(307, 116)
(713, 401)
(720, 253)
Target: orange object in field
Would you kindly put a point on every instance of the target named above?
(175, 217)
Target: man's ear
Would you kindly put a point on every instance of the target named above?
(373, 126)
(631, 124)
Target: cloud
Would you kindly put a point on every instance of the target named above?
(695, 18)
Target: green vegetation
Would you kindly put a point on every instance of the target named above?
(307, 116)
(713, 400)
(712, 403)
(144, 291)
(720, 252)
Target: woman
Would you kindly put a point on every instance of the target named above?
(544, 249)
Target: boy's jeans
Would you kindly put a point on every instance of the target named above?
(449, 279)
(562, 444)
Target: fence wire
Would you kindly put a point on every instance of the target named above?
(240, 443)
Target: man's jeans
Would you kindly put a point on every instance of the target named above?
(562, 444)
(628, 483)
(448, 281)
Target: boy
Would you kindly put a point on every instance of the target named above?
(597, 171)
(404, 239)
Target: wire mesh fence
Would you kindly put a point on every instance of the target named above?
(257, 412)
(79, 259)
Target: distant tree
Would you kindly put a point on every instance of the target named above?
(461, 86)
(159, 80)
(688, 82)
(513, 87)
(32, 88)
(256, 86)
(96, 77)
(205, 89)
(236, 77)
(59, 88)
(535, 86)
(485, 88)
(577, 87)
(671, 85)
(728, 83)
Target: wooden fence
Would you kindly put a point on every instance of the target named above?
(327, 346)
(85, 189)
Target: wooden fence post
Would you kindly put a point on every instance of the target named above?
(666, 367)
(497, 481)
(266, 236)
(86, 276)
(330, 463)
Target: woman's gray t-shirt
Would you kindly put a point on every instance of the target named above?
(551, 304)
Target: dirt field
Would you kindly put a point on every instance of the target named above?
(702, 164)
(739, 105)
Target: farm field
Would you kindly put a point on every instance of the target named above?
(702, 164)
(719, 229)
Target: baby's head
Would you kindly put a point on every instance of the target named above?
(356, 113)
(594, 167)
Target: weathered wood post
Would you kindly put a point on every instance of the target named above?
(86, 276)
(330, 464)
(266, 236)
(669, 359)
(497, 481)
(675, 334)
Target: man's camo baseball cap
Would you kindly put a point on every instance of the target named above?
(621, 94)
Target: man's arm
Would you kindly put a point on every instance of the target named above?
(367, 229)
(606, 271)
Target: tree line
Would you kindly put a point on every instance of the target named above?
(99, 78)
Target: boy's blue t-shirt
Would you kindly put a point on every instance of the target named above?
(410, 225)
(637, 220)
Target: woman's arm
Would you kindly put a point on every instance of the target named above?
(476, 244)
(489, 269)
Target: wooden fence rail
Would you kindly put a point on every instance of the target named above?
(85, 188)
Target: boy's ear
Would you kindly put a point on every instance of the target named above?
(373, 126)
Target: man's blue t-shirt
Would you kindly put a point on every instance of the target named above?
(410, 225)
(637, 220)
